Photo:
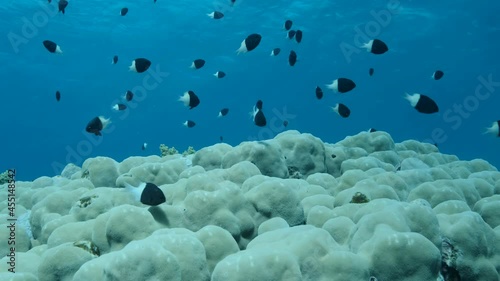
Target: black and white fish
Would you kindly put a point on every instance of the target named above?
(494, 129)
(58, 96)
(438, 74)
(223, 112)
(128, 95)
(140, 65)
(422, 103)
(147, 193)
(342, 85)
(144, 146)
(123, 11)
(114, 60)
(376, 47)
(370, 71)
(220, 74)
(291, 34)
(119, 106)
(97, 124)
(259, 118)
(190, 99)
(189, 123)
(62, 6)
(287, 25)
(250, 43)
(275, 51)
(319, 93)
(342, 110)
(298, 35)
(198, 63)
(52, 47)
(292, 58)
(216, 15)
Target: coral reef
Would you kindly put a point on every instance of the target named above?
(88, 246)
(279, 209)
(165, 150)
(359, 198)
(4, 178)
(190, 150)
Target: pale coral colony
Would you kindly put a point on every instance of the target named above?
(288, 208)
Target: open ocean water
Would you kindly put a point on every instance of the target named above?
(41, 135)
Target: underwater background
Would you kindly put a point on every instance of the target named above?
(40, 135)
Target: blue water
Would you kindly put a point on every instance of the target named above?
(41, 135)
